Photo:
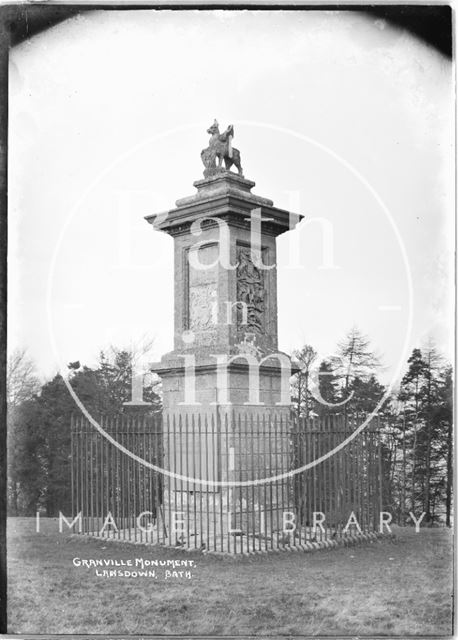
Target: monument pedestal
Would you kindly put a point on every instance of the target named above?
(225, 385)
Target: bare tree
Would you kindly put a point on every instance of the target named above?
(303, 358)
(22, 380)
(22, 384)
(355, 358)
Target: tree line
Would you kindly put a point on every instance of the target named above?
(38, 441)
(416, 420)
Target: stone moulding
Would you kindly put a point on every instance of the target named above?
(224, 184)
(226, 196)
(306, 547)
(170, 367)
(233, 210)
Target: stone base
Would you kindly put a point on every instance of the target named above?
(241, 385)
(230, 511)
(243, 545)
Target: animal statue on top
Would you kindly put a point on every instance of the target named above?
(220, 148)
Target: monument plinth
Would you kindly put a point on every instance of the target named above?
(225, 359)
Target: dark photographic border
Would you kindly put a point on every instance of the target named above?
(431, 23)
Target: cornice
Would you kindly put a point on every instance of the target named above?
(234, 209)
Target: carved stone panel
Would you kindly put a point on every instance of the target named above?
(202, 300)
(202, 307)
(252, 296)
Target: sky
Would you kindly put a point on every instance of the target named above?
(339, 117)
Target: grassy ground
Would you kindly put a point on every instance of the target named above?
(386, 588)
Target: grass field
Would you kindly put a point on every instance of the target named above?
(400, 587)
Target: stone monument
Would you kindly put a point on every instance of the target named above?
(225, 361)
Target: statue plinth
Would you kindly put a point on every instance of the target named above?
(214, 171)
(225, 358)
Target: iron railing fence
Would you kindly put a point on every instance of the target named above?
(226, 482)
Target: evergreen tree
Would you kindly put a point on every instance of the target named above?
(26, 475)
(430, 399)
(444, 415)
(366, 395)
(354, 359)
(426, 397)
(410, 394)
(327, 399)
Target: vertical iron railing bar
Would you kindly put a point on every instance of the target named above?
(170, 423)
(72, 467)
(349, 454)
(201, 486)
(258, 488)
(374, 476)
(345, 470)
(175, 480)
(180, 483)
(278, 483)
(86, 479)
(325, 488)
(143, 479)
(99, 490)
(194, 485)
(91, 474)
(380, 468)
(285, 483)
(116, 482)
(304, 427)
(321, 471)
(207, 487)
(246, 489)
(220, 475)
(240, 463)
(159, 461)
(132, 446)
(229, 489)
(82, 483)
(330, 497)
(268, 428)
(186, 473)
(299, 477)
(253, 476)
(125, 503)
(215, 477)
(314, 474)
(356, 480)
(264, 486)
